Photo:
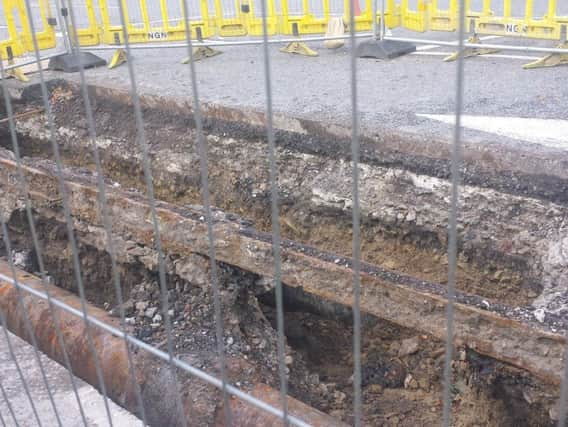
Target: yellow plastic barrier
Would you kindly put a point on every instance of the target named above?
(19, 35)
(444, 20)
(45, 30)
(240, 18)
(548, 27)
(160, 27)
(447, 20)
(89, 35)
(392, 14)
(230, 18)
(415, 20)
(11, 45)
(363, 14)
(149, 21)
(305, 21)
(428, 17)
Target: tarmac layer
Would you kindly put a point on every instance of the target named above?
(392, 95)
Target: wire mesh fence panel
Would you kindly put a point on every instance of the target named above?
(81, 10)
(133, 224)
(4, 34)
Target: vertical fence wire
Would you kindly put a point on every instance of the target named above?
(274, 219)
(452, 225)
(35, 240)
(2, 420)
(103, 208)
(564, 387)
(186, 367)
(8, 404)
(563, 392)
(204, 172)
(67, 213)
(26, 317)
(25, 313)
(27, 325)
(143, 145)
(355, 154)
(19, 370)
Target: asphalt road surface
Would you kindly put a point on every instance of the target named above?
(414, 94)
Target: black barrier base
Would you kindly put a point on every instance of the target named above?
(384, 49)
(70, 63)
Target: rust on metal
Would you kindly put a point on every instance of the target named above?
(492, 333)
(112, 354)
(245, 415)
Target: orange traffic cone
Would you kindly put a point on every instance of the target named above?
(356, 8)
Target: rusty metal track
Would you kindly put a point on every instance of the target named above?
(112, 353)
(497, 332)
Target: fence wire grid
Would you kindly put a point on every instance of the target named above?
(175, 363)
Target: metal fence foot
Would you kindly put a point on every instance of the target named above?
(74, 61)
(471, 51)
(298, 48)
(551, 60)
(117, 59)
(384, 49)
(202, 52)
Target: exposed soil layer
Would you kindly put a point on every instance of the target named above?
(314, 195)
(401, 370)
(509, 258)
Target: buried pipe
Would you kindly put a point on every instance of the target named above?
(152, 373)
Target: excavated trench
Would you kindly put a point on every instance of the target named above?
(507, 265)
(315, 206)
(401, 368)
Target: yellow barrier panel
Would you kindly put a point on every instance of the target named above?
(144, 30)
(431, 17)
(161, 20)
(363, 16)
(45, 31)
(415, 20)
(239, 18)
(91, 34)
(548, 27)
(392, 14)
(20, 38)
(308, 22)
(447, 20)
(230, 18)
(444, 20)
(305, 22)
(254, 22)
(12, 44)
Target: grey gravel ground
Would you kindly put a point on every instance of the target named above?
(58, 380)
(391, 93)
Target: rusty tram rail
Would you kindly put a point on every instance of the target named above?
(496, 331)
(113, 356)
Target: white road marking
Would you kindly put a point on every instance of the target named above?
(492, 55)
(547, 132)
(434, 46)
